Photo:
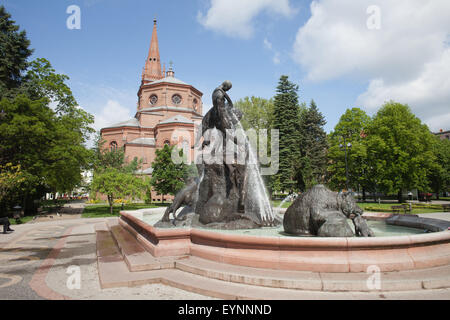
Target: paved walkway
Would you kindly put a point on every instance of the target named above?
(38, 260)
(436, 215)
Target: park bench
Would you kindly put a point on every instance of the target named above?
(397, 209)
(446, 207)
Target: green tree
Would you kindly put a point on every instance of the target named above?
(11, 178)
(257, 113)
(313, 145)
(399, 150)
(352, 126)
(116, 184)
(104, 158)
(439, 175)
(27, 133)
(168, 177)
(286, 116)
(48, 144)
(14, 52)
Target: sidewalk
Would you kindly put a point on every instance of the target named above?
(35, 260)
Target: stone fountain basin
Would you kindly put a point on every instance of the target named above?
(395, 253)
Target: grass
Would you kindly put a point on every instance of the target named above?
(388, 206)
(23, 220)
(102, 210)
(276, 203)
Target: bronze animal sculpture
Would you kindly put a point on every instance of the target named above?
(185, 197)
(324, 213)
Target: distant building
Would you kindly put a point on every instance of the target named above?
(166, 111)
(443, 134)
(81, 191)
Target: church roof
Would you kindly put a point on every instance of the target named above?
(170, 80)
(129, 123)
(177, 119)
(143, 141)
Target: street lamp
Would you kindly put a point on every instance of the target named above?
(345, 146)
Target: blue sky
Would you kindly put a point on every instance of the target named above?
(327, 47)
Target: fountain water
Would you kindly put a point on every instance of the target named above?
(290, 197)
(257, 201)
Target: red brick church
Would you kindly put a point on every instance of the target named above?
(166, 111)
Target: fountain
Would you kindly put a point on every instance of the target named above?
(227, 218)
(221, 199)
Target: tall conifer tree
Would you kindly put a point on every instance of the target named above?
(313, 148)
(14, 52)
(286, 120)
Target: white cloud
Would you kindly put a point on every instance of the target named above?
(110, 114)
(427, 94)
(267, 44)
(235, 17)
(406, 60)
(276, 55)
(276, 58)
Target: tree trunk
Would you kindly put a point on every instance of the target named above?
(110, 201)
(437, 193)
(364, 194)
(400, 196)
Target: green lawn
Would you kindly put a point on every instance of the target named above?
(388, 206)
(276, 203)
(23, 220)
(102, 210)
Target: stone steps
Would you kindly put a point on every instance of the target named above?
(135, 256)
(434, 278)
(121, 262)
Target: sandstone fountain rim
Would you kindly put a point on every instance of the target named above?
(288, 242)
(313, 254)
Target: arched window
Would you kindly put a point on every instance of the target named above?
(176, 99)
(195, 104)
(153, 99)
(113, 146)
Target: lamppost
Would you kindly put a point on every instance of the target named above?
(345, 146)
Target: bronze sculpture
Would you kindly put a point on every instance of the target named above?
(324, 213)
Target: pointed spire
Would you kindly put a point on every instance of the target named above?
(153, 63)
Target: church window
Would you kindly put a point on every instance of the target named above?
(113, 146)
(153, 99)
(176, 99)
(195, 102)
